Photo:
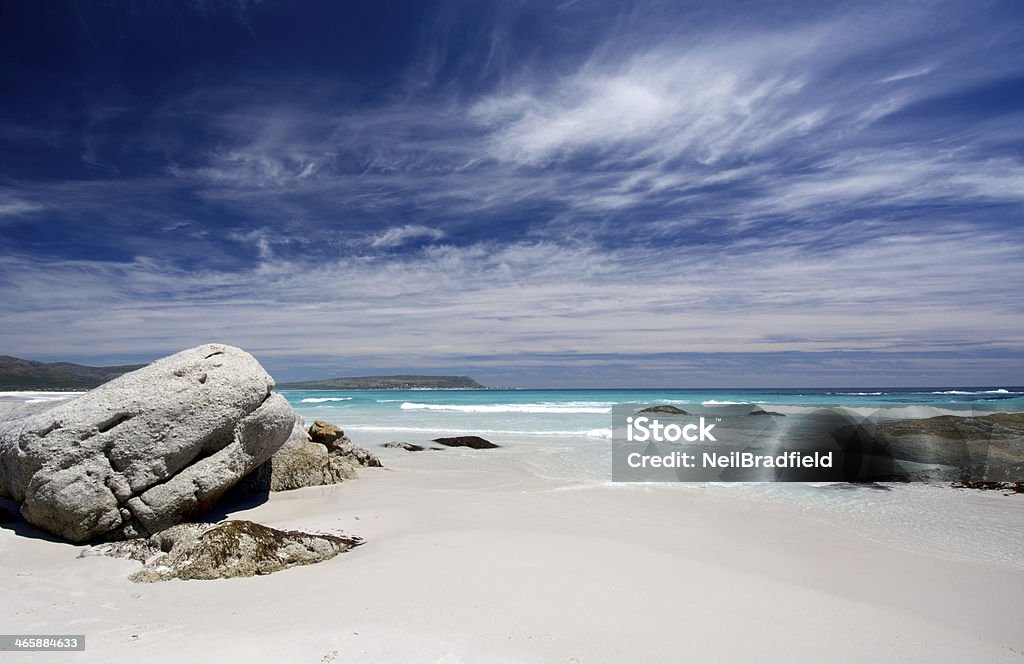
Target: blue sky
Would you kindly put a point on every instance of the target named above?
(533, 193)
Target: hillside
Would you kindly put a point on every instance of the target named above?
(388, 383)
(19, 374)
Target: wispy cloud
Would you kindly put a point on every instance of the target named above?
(396, 237)
(648, 188)
(12, 207)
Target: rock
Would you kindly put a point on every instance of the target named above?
(361, 456)
(147, 450)
(230, 549)
(476, 442)
(408, 447)
(301, 462)
(664, 410)
(970, 449)
(1008, 488)
(6, 515)
(765, 412)
(325, 433)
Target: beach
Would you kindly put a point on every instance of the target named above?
(475, 555)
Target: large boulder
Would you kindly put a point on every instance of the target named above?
(971, 449)
(147, 450)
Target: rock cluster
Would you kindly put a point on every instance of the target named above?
(974, 450)
(317, 456)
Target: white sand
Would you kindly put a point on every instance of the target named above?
(465, 565)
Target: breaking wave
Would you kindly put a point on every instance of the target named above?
(560, 409)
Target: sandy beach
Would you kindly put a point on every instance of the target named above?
(481, 565)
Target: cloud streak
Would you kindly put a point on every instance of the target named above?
(640, 192)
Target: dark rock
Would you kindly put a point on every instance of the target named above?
(969, 449)
(475, 442)
(1007, 487)
(765, 412)
(664, 409)
(6, 515)
(194, 551)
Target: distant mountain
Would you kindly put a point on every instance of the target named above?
(19, 374)
(388, 383)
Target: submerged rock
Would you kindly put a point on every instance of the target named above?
(408, 447)
(147, 450)
(475, 442)
(765, 412)
(194, 551)
(664, 409)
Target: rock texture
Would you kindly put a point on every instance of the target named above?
(475, 442)
(302, 461)
(325, 433)
(219, 551)
(147, 450)
(664, 410)
(969, 449)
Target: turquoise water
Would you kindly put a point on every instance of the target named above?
(588, 413)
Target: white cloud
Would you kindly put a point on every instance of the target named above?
(531, 299)
(12, 207)
(400, 235)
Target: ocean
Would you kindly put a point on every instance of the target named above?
(418, 415)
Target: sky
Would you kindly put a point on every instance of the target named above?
(533, 193)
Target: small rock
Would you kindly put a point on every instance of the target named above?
(475, 442)
(325, 433)
(664, 409)
(765, 412)
(408, 447)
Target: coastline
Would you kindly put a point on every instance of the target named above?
(515, 555)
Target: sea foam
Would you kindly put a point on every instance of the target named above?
(508, 408)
